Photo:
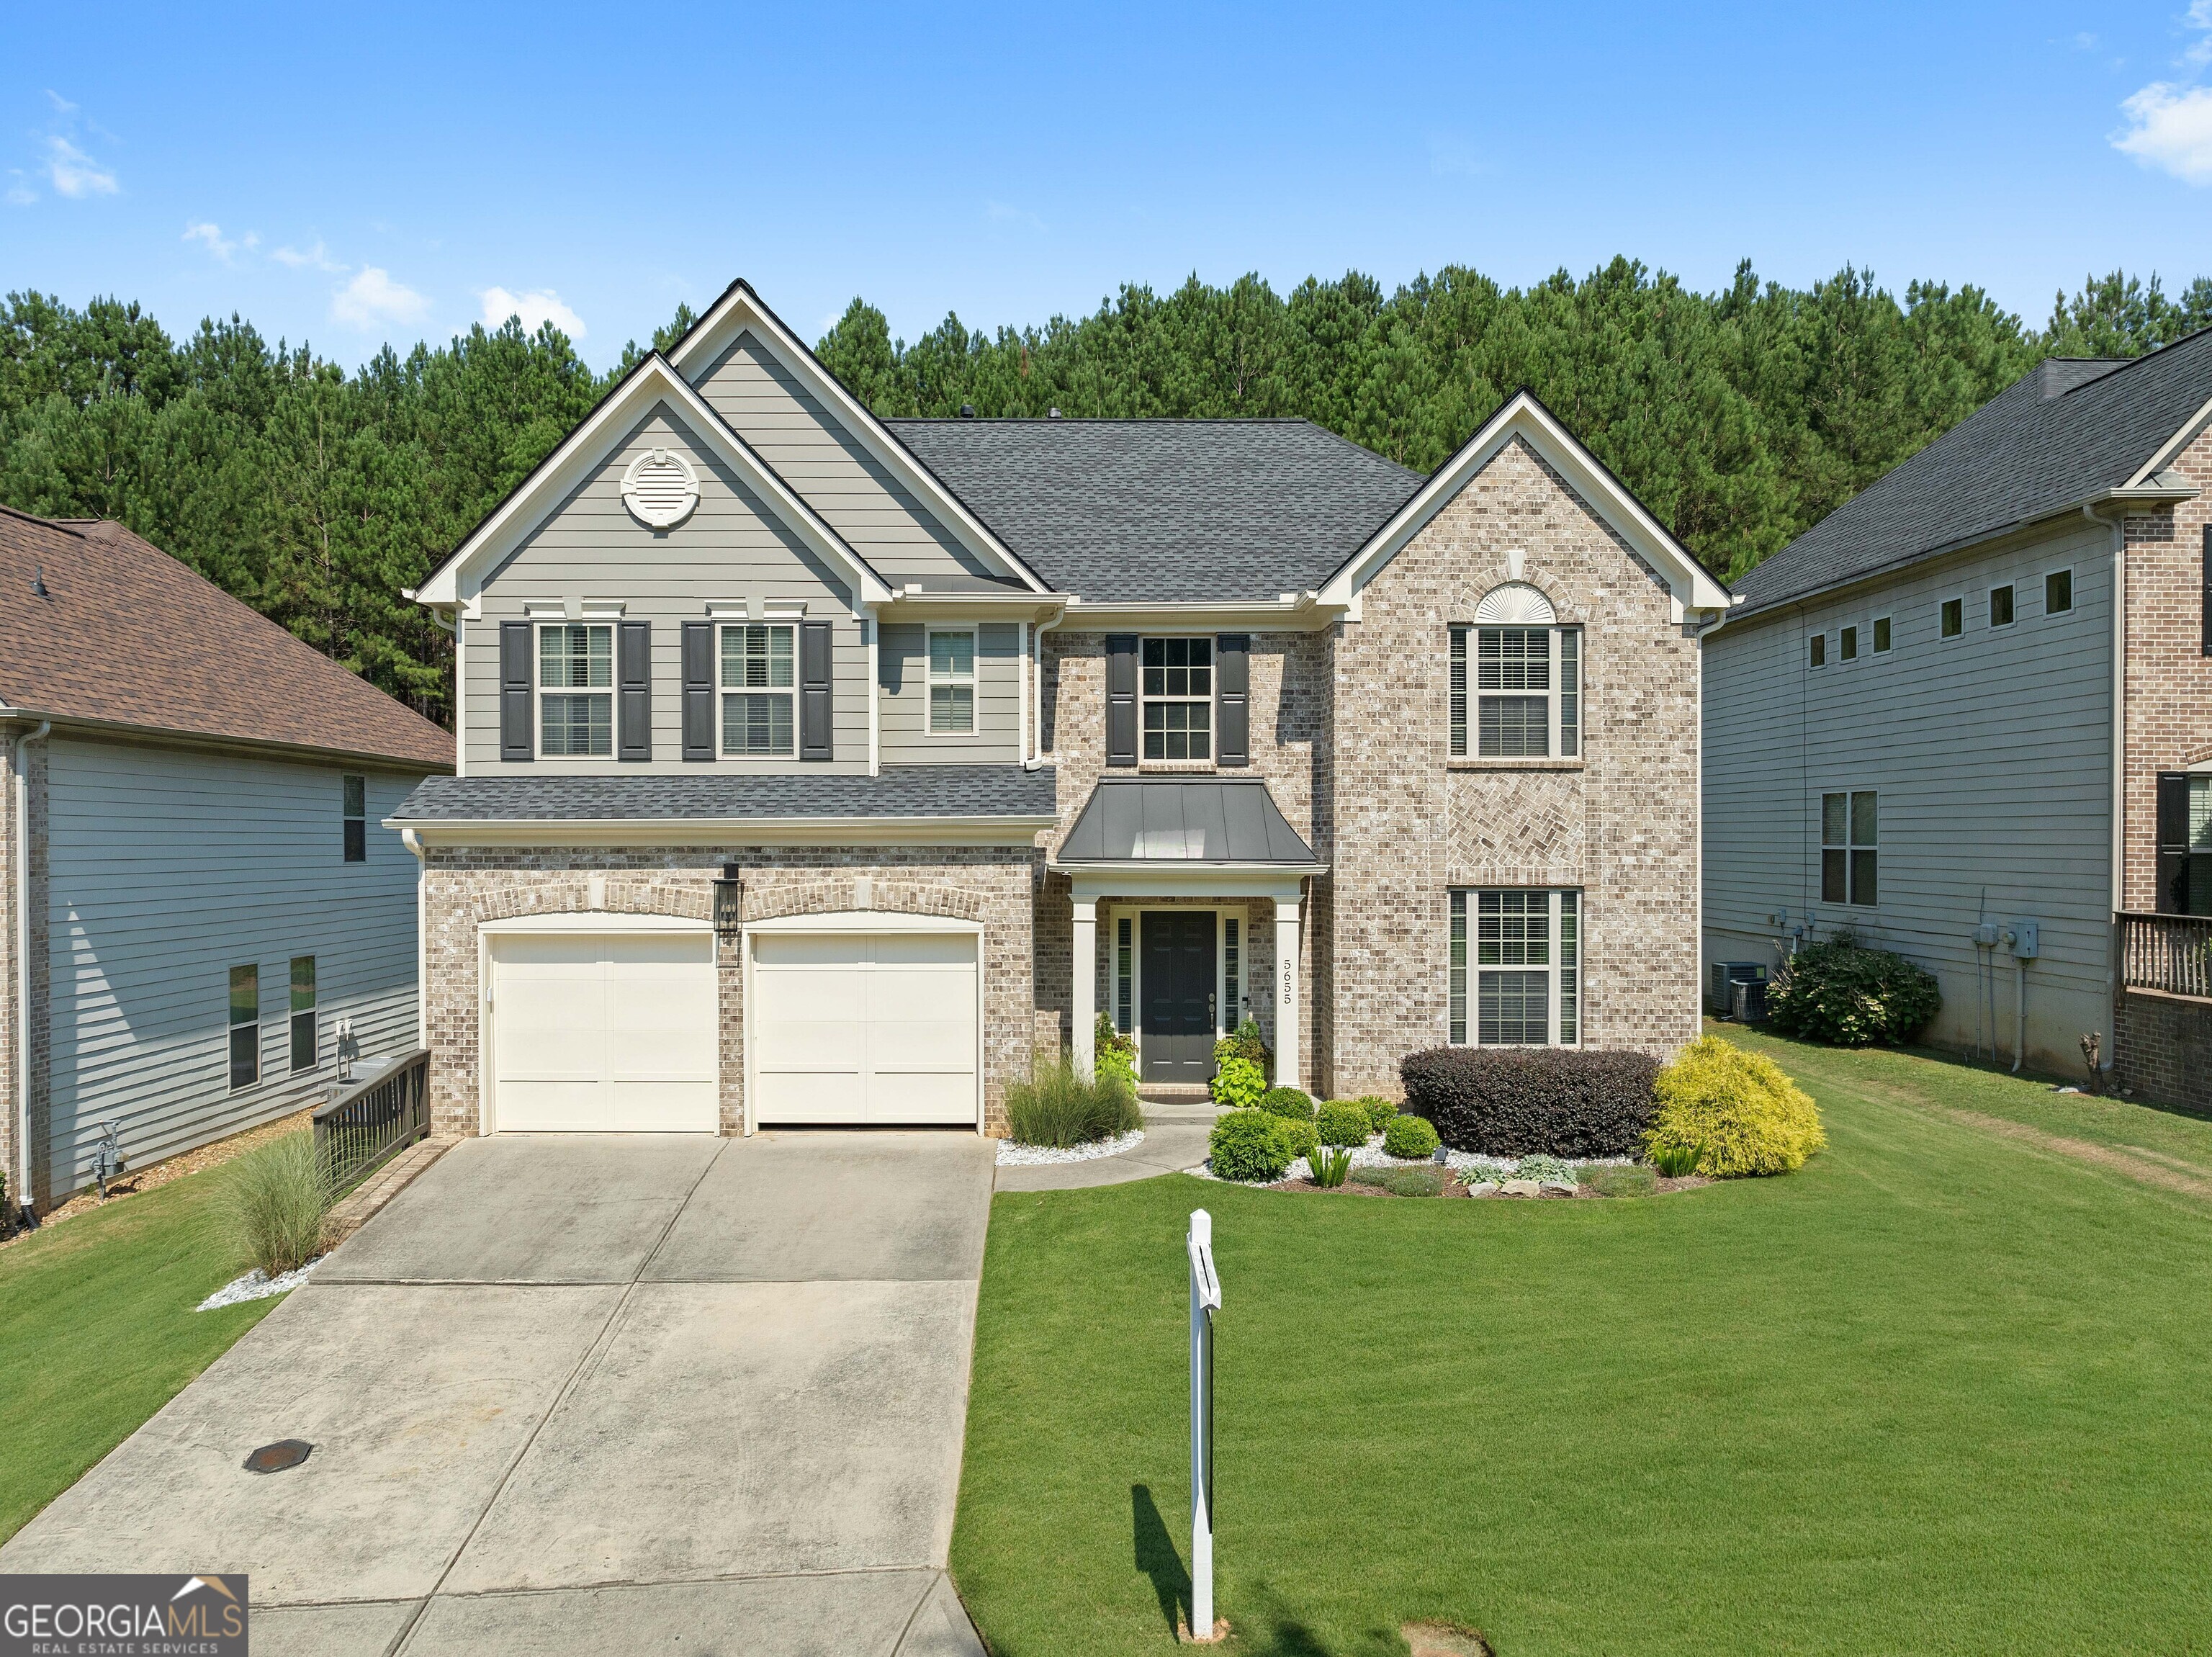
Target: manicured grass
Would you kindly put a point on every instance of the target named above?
(97, 1331)
(1942, 1392)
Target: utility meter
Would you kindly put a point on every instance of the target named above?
(2022, 936)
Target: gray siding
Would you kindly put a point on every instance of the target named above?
(169, 868)
(731, 546)
(877, 515)
(1992, 755)
(903, 668)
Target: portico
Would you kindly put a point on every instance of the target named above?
(1163, 867)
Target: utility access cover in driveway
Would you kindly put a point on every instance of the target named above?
(569, 1392)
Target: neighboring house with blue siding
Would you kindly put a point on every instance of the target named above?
(211, 924)
(1968, 716)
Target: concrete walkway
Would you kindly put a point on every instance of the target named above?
(1175, 1138)
(581, 1393)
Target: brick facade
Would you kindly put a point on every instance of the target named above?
(465, 888)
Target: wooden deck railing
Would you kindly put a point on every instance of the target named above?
(366, 1125)
(2170, 954)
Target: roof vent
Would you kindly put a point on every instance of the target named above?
(39, 582)
(1052, 414)
(1515, 604)
(659, 489)
(967, 411)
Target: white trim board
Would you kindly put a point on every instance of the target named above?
(459, 580)
(739, 311)
(1692, 586)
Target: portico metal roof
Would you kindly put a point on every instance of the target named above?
(1174, 823)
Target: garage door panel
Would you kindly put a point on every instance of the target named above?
(863, 1026)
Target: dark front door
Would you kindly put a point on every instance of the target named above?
(1179, 991)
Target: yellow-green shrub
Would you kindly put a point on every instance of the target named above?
(1739, 1111)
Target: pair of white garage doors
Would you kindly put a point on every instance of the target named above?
(620, 1032)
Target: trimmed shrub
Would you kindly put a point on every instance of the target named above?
(1743, 1115)
(1342, 1122)
(1249, 1146)
(1843, 993)
(1555, 1101)
(1409, 1136)
(1300, 1136)
(1379, 1111)
(1238, 1085)
(1060, 1106)
(1116, 1053)
(278, 1199)
(1289, 1102)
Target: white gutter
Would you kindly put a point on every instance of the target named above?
(24, 1200)
(413, 842)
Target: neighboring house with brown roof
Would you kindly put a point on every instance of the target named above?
(817, 767)
(203, 922)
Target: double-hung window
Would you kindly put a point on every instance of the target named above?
(1516, 968)
(576, 697)
(756, 688)
(1526, 695)
(356, 818)
(952, 681)
(1848, 874)
(244, 1027)
(1178, 699)
(306, 1035)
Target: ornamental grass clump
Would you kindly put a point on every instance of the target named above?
(1343, 1122)
(1060, 1107)
(1843, 993)
(1249, 1146)
(1742, 1114)
(279, 1198)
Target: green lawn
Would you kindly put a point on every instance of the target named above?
(97, 1331)
(1943, 1390)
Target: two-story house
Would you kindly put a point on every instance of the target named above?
(815, 767)
(1966, 715)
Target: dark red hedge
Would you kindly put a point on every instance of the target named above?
(1558, 1101)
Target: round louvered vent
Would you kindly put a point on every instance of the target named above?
(659, 489)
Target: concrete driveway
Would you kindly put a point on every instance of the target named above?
(582, 1393)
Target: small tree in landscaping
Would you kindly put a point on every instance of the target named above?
(1738, 1111)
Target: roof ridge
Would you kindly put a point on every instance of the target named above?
(2122, 364)
(55, 524)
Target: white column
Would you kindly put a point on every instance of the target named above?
(1286, 993)
(1085, 963)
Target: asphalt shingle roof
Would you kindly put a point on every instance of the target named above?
(899, 791)
(1163, 511)
(125, 635)
(1209, 820)
(2065, 432)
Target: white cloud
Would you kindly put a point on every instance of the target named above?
(211, 234)
(2200, 19)
(539, 306)
(72, 173)
(20, 193)
(2171, 128)
(316, 257)
(62, 106)
(372, 298)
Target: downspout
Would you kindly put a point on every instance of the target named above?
(2117, 850)
(26, 1203)
(413, 842)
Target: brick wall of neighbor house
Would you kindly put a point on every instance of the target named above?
(1289, 738)
(466, 887)
(1411, 823)
(2160, 1048)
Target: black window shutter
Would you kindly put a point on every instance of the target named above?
(1232, 698)
(814, 707)
(2173, 842)
(514, 741)
(2207, 589)
(698, 689)
(633, 694)
(1121, 699)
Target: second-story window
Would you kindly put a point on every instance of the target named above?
(1526, 691)
(952, 681)
(1178, 686)
(355, 790)
(576, 699)
(756, 689)
(1848, 873)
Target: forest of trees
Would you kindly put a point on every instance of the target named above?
(1741, 417)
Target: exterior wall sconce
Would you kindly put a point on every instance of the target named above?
(729, 902)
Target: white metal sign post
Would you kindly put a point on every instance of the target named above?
(1205, 1301)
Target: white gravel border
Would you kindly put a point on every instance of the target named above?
(1372, 1155)
(1013, 1155)
(257, 1286)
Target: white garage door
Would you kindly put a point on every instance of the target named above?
(874, 1027)
(604, 1033)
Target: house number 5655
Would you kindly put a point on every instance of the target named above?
(1286, 984)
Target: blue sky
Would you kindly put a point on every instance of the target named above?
(348, 184)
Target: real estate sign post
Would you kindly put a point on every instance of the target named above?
(1205, 1301)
